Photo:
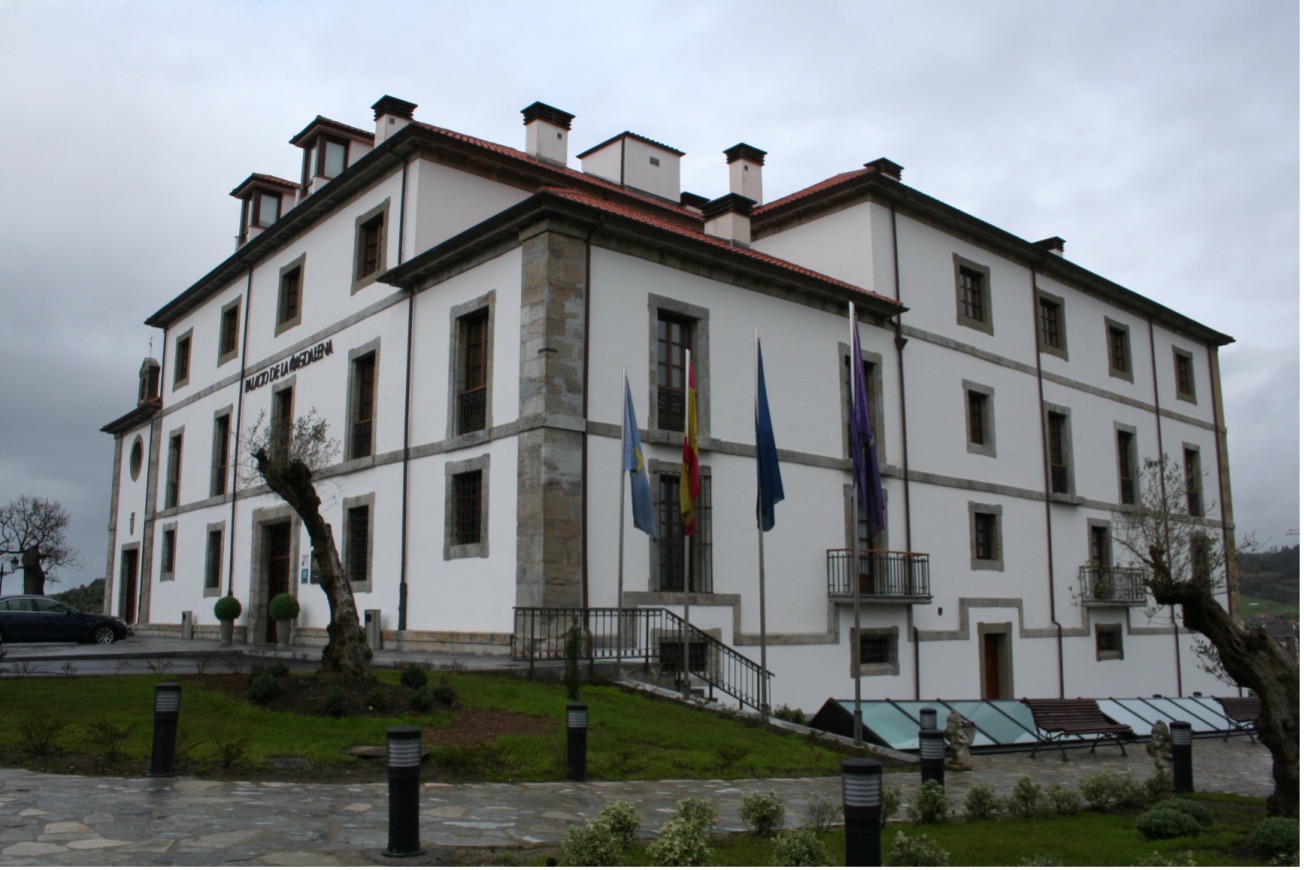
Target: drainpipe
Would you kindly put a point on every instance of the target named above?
(239, 421)
(407, 416)
(899, 341)
(584, 409)
(1045, 471)
(1163, 492)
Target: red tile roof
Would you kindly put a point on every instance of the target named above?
(818, 187)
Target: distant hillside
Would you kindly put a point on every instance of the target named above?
(1272, 578)
(88, 598)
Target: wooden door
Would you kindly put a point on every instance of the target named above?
(128, 578)
(278, 568)
(992, 649)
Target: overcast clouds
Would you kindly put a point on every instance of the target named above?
(1161, 139)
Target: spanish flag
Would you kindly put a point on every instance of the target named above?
(689, 480)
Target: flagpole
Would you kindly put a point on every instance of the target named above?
(688, 549)
(620, 513)
(857, 729)
(760, 529)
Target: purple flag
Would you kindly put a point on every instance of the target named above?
(864, 453)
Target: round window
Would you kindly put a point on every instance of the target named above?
(137, 456)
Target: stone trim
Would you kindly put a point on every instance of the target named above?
(479, 549)
(290, 322)
(189, 338)
(891, 669)
(214, 591)
(373, 348)
(359, 282)
(224, 358)
(997, 563)
(700, 345)
(457, 362)
(1062, 325)
(367, 500)
(1107, 628)
(1121, 374)
(988, 447)
(164, 575)
(986, 294)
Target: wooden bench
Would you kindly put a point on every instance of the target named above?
(1242, 715)
(1059, 718)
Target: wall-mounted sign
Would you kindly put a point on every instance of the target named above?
(291, 363)
(303, 570)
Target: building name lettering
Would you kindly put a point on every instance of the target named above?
(292, 363)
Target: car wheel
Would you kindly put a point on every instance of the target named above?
(103, 634)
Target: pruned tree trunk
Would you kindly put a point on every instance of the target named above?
(33, 573)
(347, 655)
(1255, 661)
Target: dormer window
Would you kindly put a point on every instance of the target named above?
(328, 147)
(262, 202)
(267, 208)
(332, 155)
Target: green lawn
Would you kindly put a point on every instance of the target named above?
(632, 736)
(1266, 606)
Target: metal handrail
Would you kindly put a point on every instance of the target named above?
(883, 573)
(1106, 583)
(649, 634)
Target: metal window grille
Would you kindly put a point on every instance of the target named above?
(466, 507)
(1109, 640)
(474, 335)
(213, 564)
(670, 556)
(984, 536)
(169, 559)
(359, 523)
(1059, 466)
(1126, 472)
(875, 649)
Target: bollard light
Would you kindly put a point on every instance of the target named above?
(932, 756)
(577, 741)
(928, 718)
(167, 710)
(1183, 777)
(862, 807)
(404, 792)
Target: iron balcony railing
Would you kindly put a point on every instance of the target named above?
(1103, 584)
(470, 410)
(652, 636)
(884, 574)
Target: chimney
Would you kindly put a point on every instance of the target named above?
(745, 164)
(730, 218)
(1054, 244)
(547, 132)
(392, 115)
(883, 166)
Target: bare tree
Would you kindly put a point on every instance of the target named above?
(1186, 565)
(289, 463)
(35, 530)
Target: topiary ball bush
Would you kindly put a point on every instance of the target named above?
(263, 688)
(283, 606)
(414, 677)
(1275, 838)
(1166, 824)
(1190, 807)
(228, 608)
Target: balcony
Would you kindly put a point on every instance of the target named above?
(470, 410)
(886, 577)
(1105, 586)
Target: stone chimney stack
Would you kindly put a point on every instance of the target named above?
(1054, 244)
(745, 164)
(547, 132)
(883, 166)
(392, 115)
(730, 218)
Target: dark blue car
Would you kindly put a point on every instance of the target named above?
(34, 618)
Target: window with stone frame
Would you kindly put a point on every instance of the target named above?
(369, 246)
(1194, 479)
(674, 340)
(1059, 451)
(876, 649)
(228, 339)
(973, 299)
(181, 366)
(466, 508)
(282, 422)
(473, 378)
(1119, 348)
(357, 544)
(168, 554)
(172, 485)
(871, 369)
(289, 301)
(986, 552)
(1109, 642)
(875, 652)
(1051, 336)
(221, 454)
(1184, 373)
(675, 328)
(362, 405)
(980, 419)
(1127, 467)
(668, 550)
(213, 561)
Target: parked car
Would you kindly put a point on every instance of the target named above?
(32, 618)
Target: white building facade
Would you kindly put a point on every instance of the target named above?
(460, 313)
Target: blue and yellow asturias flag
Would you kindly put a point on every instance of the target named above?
(639, 489)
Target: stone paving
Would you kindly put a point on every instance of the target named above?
(47, 819)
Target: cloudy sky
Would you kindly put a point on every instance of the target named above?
(1160, 138)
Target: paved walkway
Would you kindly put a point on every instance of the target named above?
(64, 820)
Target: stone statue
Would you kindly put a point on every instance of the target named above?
(1160, 747)
(959, 733)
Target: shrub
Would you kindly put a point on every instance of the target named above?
(981, 802)
(1165, 824)
(1180, 859)
(622, 820)
(283, 606)
(414, 677)
(764, 812)
(227, 608)
(38, 734)
(822, 815)
(591, 845)
(891, 804)
(697, 812)
(444, 694)
(730, 755)
(1128, 793)
(682, 843)
(1159, 786)
(263, 688)
(572, 675)
(1191, 808)
(1040, 860)
(1026, 801)
(423, 701)
(231, 751)
(1064, 800)
(1098, 790)
(276, 669)
(335, 704)
(1275, 839)
(921, 851)
(799, 848)
(930, 805)
(790, 714)
(108, 738)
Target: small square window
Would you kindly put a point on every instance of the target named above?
(875, 652)
(1109, 642)
(875, 649)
